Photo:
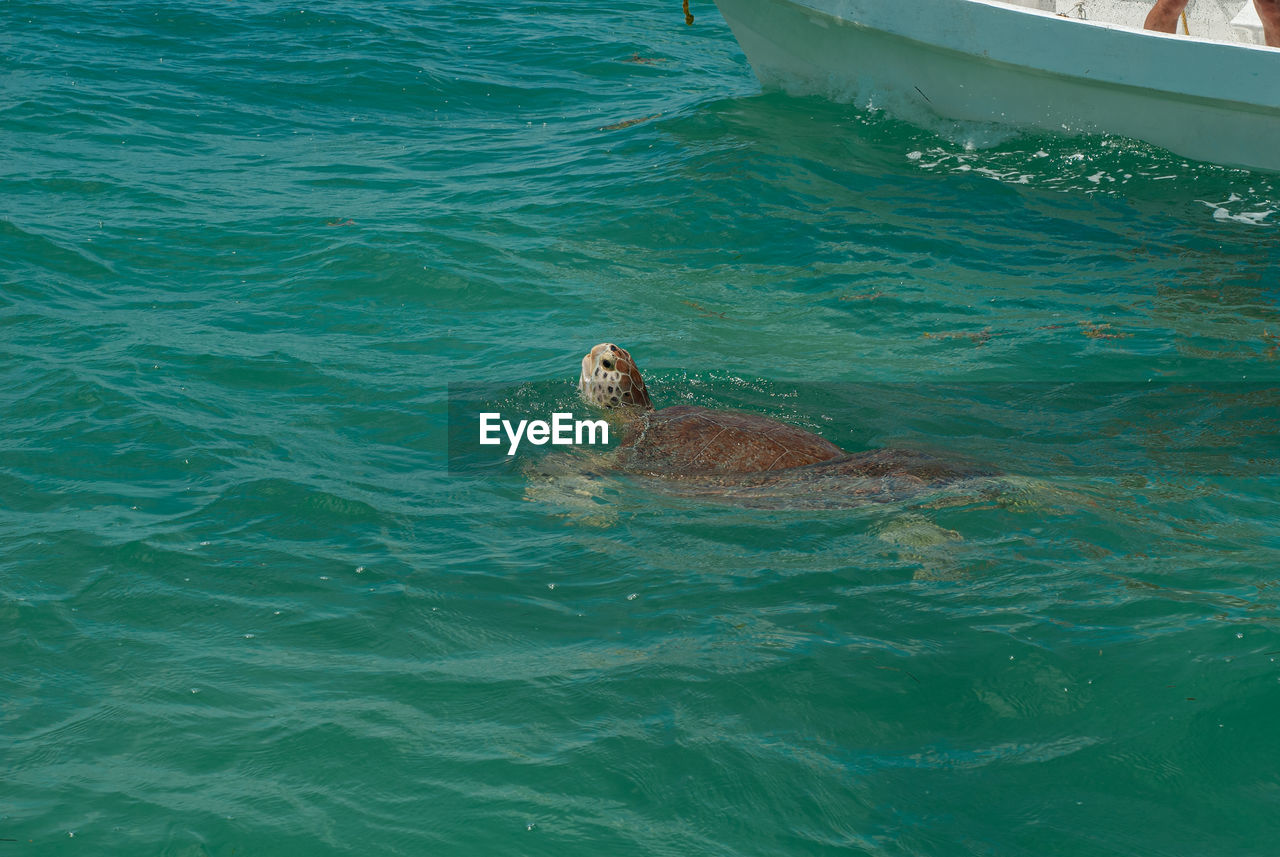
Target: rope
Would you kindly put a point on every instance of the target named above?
(1185, 29)
(688, 16)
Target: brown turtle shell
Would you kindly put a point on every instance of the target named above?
(693, 441)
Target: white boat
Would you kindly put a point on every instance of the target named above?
(1075, 66)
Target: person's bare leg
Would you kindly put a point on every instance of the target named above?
(1163, 16)
(1269, 12)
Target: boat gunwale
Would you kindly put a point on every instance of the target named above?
(1008, 5)
(1118, 66)
(1035, 71)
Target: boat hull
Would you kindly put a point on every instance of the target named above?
(988, 62)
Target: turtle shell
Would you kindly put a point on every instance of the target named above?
(687, 440)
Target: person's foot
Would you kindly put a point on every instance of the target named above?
(1163, 17)
(1269, 12)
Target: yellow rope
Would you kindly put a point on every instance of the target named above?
(688, 16)
(1185, 29)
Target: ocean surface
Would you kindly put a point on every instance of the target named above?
(250, 603)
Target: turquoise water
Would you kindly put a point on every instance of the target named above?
(247, 607)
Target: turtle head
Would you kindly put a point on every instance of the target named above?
(611, 380)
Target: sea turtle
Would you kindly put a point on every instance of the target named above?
(742, 455)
